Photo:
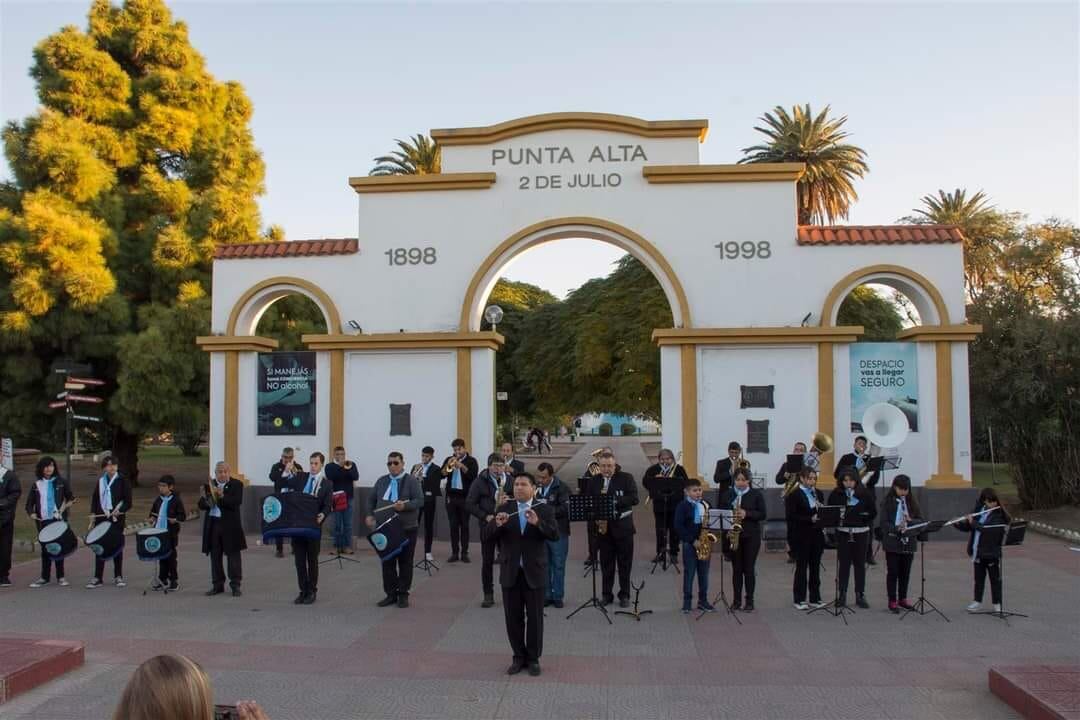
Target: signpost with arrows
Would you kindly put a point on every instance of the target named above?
(67, 399)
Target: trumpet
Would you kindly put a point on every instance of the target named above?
(451, 464)
(743, 462)
(348, 465)
(417, 470)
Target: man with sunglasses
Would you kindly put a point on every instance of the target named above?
(402, 492)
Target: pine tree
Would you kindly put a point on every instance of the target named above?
(138, 163)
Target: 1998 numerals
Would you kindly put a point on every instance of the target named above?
(411, 256)
(746, 250)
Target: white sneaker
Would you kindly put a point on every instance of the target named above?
(818, 604)
(997, 607)
(94, 583)
(40, 582)
(119, 582)
(428, 557)
(63, 582)
(801, 606)
(974, 606)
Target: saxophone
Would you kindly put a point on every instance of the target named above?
(735, 532)
(705, 538)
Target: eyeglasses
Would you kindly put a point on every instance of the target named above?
(390, 463)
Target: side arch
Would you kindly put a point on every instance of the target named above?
(246, 312)
(922, 293)
(483, 280)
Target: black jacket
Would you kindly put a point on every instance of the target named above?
(10, 490)
(800, 518)
(557, 498)
(722, 474)
(278, 476)
(61, 494)
(649, 482)
(891, 538)
(232, 529)
(342, 479)
(753, 502)
(431, 481)
(515, 546)
(862, 513)
(481, 498)
(119, 492)
(625, 490)
(515, 466)
(321, 493)
(780, 479)
(848, 460)
(175, 511)
(469, 470)
(990, 539)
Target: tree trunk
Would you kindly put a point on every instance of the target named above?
(126, 449)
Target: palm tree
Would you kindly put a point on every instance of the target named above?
(417, 156)
(826, 191)
(956, 208)
(982, 226)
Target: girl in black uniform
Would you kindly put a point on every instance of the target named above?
(853, 536)
(987, 525)
(751, 511)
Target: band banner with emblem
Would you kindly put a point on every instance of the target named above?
(884, 373)
(286, 393)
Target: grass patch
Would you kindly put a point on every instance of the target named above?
(983, 475)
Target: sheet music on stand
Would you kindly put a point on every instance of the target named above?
(889, 462)
(720, 519)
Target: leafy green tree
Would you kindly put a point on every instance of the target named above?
(827, 190)
(419, 155)
(878, 316)
(289, 319)
(137, 164)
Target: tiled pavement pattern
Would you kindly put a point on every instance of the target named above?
(445, 656)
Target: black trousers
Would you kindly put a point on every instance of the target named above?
(991, 567)
(306, 557)
(117, 566)
(46, 561)
(7, 542)
(808, 569)
(459, 524)
(744, 567)
(168, 568)
(615, 552)
(523, 608)
(218, 558)
(897, 574)
(487, 566)
(279, 544)
(851, 552)
(666, 540)
(397, 571)
(427, 514)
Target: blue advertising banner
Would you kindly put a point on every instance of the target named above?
(884, 372)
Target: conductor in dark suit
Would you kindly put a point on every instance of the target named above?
(306, 550)
(522, 531)
(616, 544)
(223, 533)
(726, 467)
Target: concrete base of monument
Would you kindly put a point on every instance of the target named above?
(26, 664)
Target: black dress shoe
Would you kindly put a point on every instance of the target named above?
(387, 601)
(452, 558)
(607, 600)
(299, 599)
(871, 561)
(534, 668)
(489, 601)
(403, 600)
(465, 558)
(557, 603)
(214, 591)
(736, 605)
(624, 602)
(515, 667)
(548, 602)
(860, 601)
(236, 592)
(309, 599)
(749, 606)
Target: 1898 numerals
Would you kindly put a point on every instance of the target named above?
(746, 250)
(411, 256)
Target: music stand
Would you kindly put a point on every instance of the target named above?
(426, 564)
(830, 517)
(588, 509)
(921, 531)
(719, 519)
(666, 488)
(1014, 535)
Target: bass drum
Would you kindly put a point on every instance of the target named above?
(290, 514)
(57, 539)
(106, 539)
(153, 544)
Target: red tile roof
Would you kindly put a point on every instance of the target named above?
(878, 234)
(288, 248)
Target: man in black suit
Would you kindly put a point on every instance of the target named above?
(431, 478)
(726, 467)
(482, 502)
(223, 533)
(615, 544)
(513, 465)
(281, 475)
(458, 482)
(857, 460)
(306, 550)
(664, 503)
(10, 490)
(557, 496)
(523, 529)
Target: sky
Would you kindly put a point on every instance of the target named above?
(940, 95)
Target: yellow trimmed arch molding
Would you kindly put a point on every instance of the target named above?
(254, 302)
(926, 297)
(484, 278)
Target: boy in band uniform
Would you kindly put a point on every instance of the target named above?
(431, 480)
(690, 514)
(725, 467)
(458, 482)
(110, 502)
(167, 513)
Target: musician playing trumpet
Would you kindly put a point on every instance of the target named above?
(281, 475)
(726, 467)
(459, 469)
(747, 504)
(342, 474)
(664, 502)
(859, 459)
(488, 491)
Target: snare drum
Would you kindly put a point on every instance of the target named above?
(57, 539)
(153, 544)
(106, 539)
(389, 538)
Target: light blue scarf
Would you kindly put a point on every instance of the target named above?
(811, 496)
(163, 513)
(47, 496)
(391, 494)
(851, 499)
(105, 492)
(901, 510)
(699, 512)
(455, 479)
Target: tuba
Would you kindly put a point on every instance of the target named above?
(823, 444)
(705, 538)
(594, 465)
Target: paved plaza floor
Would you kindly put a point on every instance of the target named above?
(445, 656)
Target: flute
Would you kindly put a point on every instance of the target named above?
(978, 514)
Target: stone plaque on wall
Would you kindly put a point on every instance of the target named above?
(757, 436)
(401, 419)
(757, 396)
